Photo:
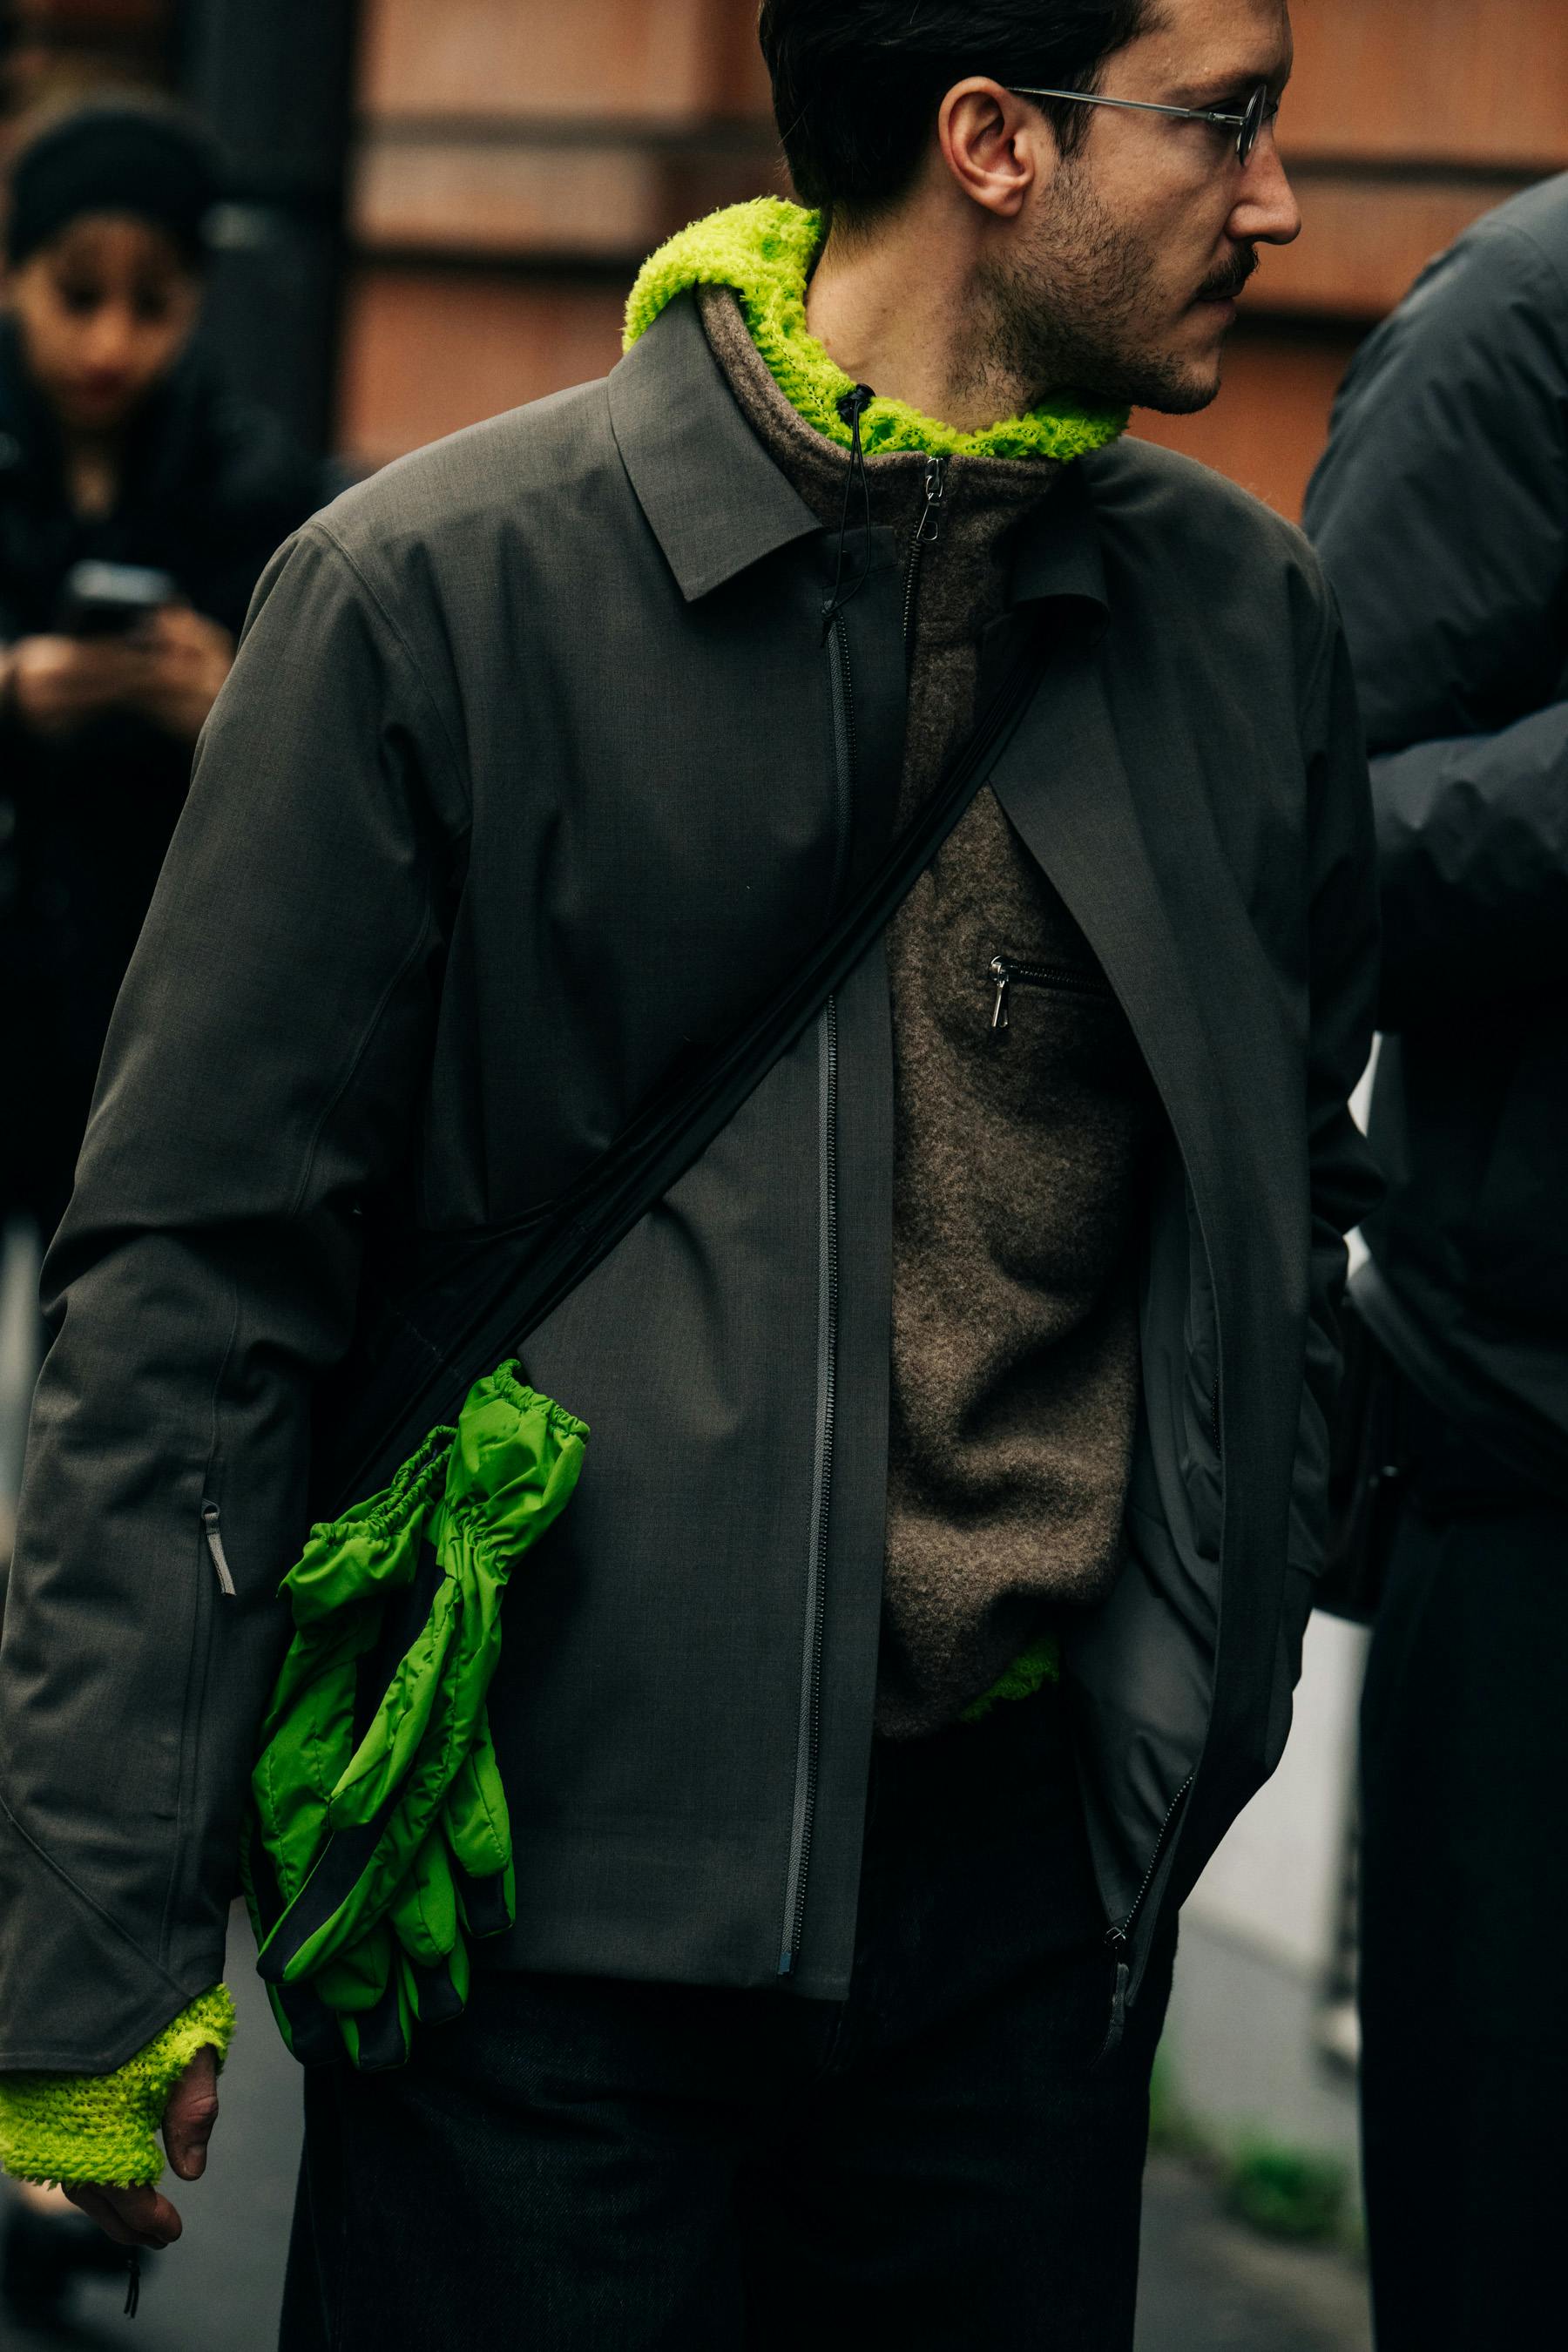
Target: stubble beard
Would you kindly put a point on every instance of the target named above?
(1069, 315)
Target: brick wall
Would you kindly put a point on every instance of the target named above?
(515, 159)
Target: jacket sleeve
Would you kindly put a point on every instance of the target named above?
(1441, 512)
(261, 1072)
(1343, 949)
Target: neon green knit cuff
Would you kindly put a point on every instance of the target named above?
(104, 2127)
(1041, 1662)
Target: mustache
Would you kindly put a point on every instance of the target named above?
(1227, 284)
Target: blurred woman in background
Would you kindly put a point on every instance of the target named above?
(139, 502)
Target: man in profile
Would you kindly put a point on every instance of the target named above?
(934, 1591)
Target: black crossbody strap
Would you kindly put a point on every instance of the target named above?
(672, 1130)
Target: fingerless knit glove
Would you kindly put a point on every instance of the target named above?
(104, 2127)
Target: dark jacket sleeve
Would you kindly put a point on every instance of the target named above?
(1342, 974)
(1441, 512)
(262, 1071)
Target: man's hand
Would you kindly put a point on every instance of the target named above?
(184, 659)
(145, 2217)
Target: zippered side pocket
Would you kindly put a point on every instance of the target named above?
(1008, 972)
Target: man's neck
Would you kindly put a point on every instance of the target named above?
(897, 310)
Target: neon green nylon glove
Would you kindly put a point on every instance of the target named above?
(385, 1854)
(414, 1966)
(104, 2127)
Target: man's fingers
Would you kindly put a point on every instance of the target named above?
(189, 2118)
(132, 2217)
(142, 2217)
(95, 2204)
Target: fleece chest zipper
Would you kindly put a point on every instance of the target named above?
(926, 532)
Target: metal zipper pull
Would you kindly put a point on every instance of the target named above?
(926, 532)
(1117, 1944)
(1002, 973)
(928, 529)
(215, 1545)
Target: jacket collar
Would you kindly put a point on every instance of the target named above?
(713, 497)
(717, 503)
(1060, 556)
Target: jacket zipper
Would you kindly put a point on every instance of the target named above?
(809, 1734)
(1007, 973)
(808, 1742)
(809, 1738)
(926, 531)
(1117, 1937)
(844, 744)
(211, 1529)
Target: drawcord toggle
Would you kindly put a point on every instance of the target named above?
(851, 408)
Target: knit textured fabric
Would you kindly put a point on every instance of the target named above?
(1016, 1153)
(104, 2127)
(764, 251)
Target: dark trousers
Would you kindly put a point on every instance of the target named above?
(593, 2166)
(1464, 1911)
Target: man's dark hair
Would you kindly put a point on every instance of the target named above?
(857, 83)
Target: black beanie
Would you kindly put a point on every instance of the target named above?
(113, 159)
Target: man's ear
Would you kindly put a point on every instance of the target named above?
(998, 147)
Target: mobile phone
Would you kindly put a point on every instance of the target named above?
(108, 599)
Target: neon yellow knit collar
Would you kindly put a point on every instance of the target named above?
(766, 250)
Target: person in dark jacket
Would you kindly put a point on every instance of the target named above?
(932, 1596)
(1441, 511)
(117, 447)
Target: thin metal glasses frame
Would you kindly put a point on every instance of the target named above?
(1246, 126)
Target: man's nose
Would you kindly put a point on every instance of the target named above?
(1266, 211)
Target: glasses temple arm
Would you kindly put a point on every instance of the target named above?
(1135, 105)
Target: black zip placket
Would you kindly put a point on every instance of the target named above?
(835, 638)
(808, 1740)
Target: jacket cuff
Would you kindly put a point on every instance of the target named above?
(104, 2127)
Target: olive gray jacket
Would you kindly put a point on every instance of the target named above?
(533, 772)
(1441, 511)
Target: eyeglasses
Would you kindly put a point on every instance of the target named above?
(1248, 127)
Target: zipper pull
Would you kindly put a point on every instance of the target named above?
(1117, 1944)
(215, 1546)
(1002, 973)
(928, 530)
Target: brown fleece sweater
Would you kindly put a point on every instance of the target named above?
(1014, 1351)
